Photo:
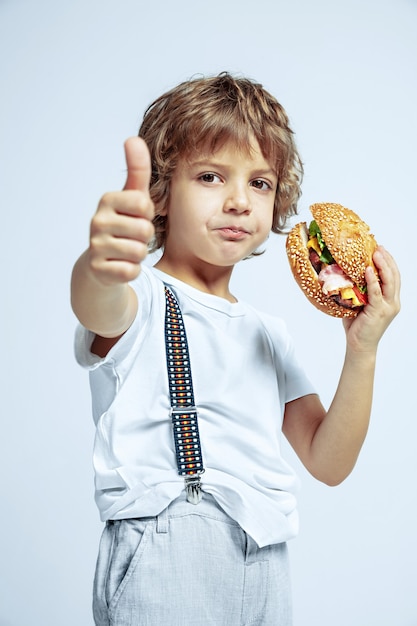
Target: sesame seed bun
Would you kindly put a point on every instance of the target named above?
(349, 241)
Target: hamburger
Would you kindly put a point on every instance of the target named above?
(329, 257)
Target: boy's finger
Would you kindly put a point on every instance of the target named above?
(138, 163)
(388, 272)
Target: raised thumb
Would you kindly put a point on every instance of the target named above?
(138, 163)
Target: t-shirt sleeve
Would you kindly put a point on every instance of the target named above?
(293, 381)
(297, 383)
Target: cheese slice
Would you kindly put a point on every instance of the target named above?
(313, 243)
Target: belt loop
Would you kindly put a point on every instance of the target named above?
(162, 521)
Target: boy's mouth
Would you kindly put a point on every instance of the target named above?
(233, 230)
(233, 233)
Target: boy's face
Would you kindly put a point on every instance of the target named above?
(220, 207)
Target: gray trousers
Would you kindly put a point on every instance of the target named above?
(192, 565)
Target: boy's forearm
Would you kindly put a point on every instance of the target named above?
(107, 310)
(339, 438)
(337, 441)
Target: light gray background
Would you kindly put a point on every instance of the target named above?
(75, 79)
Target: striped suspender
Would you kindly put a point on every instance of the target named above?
(183, 409)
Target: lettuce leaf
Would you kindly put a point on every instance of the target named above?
(314, 231)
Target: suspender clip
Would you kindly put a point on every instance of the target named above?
(193, 488)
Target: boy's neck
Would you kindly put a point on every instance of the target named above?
(210, 279)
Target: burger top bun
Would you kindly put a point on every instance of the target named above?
(351, 244)
(348, 238)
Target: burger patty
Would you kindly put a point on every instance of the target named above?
(348, 304)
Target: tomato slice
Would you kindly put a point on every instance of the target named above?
(362, 297)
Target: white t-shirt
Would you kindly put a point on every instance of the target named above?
(243, 370)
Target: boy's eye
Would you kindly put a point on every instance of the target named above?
(209, 177)
(263, 185)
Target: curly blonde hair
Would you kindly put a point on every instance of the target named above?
(209, 112)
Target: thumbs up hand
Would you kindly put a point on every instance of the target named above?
(122, 227)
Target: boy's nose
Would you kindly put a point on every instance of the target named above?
(238, 200)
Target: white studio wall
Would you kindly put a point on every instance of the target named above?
(76, 78)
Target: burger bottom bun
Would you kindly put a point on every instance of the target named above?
(306, 277)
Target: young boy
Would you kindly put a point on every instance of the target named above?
(215, 170)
